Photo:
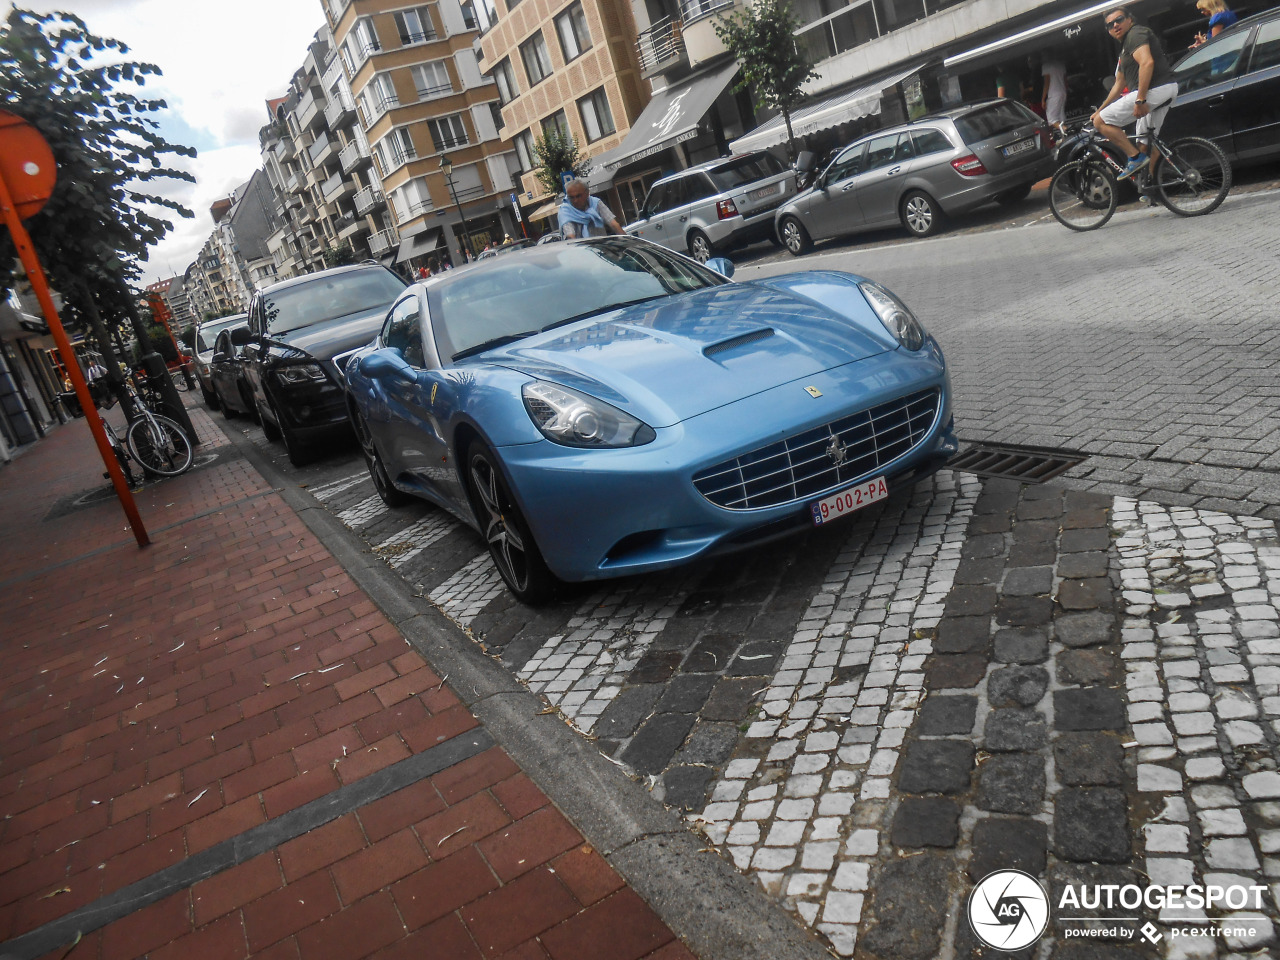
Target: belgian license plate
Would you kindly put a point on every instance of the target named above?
(849, 500)
(1022, 146)
(763, 192)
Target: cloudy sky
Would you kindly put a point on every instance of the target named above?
(221, 61)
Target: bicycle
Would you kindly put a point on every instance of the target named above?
(1191, 177)
(122, 455)
(159, 444)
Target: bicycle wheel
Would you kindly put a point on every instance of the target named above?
(160, 445)
(1194, 177)
(1082, 194)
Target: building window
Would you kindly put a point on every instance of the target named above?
(558, 122)
(575, 38)
(415, 26)
(524, 150)
(505, 77)
(366, 39)
(448, 132)
(398, 146)
(512, 4)
(496, 111)
(597, 119)
(537, 62)
(469, 17)
(381, 95)
(432, 79)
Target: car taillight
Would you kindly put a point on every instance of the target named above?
(726, 209)
(969, 166)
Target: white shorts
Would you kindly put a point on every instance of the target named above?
(1159, 100)
(1055, 108)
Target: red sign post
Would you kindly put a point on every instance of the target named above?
(27, 176)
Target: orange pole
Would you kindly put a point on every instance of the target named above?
(35, 274)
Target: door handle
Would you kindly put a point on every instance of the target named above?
(847, 187)
(1217, 101)
(657, 226)
(892, 170)
(684, 218)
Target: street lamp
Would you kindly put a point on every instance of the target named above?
(446, 167)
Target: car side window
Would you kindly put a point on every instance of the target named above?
(1266, 48)
(403, 331)
(880, 152)
(698, 187)
(674, 195)
(904, 150)
(848, 164)
(654, 200)
(1216, 60)
(929, 141)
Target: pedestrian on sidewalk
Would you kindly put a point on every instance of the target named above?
(1053, 97)
(582, 215)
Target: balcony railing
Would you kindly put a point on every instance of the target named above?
(661, 44)
(354, 155)
(317, 149)
(368, 199)
(400, 156)
(380, 104)
(333, 186)
(439, 90)
(469, 193)
(691, 10)
(415, 209)
(308, 109)
(417, 36)
(340, 110)
(382, 241)
(444, 141)
(285, 148)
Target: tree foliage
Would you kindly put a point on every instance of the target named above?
(107, 209)
(555, 154)
(761, 36)
(339, 255)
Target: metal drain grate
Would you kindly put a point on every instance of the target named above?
(1025, 464)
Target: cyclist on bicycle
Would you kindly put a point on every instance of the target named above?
(1144, 71)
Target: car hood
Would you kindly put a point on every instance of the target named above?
(329, 338)
(674, 358)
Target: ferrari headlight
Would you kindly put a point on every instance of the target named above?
(895, 316)
(576, 420)
(300, 373)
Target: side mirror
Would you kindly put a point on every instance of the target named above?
(721, 265)
(220, 356)
(240, 336)
(806, 162)
(386, 364)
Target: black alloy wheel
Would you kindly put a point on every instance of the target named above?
(382, 484)
(269, 426)
(510, 542)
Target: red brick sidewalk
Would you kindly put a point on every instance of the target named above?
(158, 702)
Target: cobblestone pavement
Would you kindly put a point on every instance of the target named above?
(1078, 680)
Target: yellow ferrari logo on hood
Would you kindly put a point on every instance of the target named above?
(813, 391)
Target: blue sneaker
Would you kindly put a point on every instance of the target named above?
(1134, 165)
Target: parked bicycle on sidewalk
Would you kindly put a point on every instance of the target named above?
(155, 442)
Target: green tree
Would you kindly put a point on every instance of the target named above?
(107, 209)
(339, 255)
(555, 154)
(761, 37)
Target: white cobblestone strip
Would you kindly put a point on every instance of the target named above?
(1201, 643)
(582, 670)
(469, 590)
(327, 491)
(806, 819)
(404, 545)
(364, 512)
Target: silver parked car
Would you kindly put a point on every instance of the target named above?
(206, 334)
(716, 206)
(917, 172)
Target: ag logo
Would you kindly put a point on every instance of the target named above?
(1008, 910)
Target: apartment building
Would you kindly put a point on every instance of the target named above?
(432, 120)
(569, 66)
(173, 292)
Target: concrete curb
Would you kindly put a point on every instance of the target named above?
(718, 913)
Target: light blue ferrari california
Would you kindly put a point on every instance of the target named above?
(605, 407)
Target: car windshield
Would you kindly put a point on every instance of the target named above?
(748, 169)
(507, 298)
(208, 332)
(992, 121)
(328, 298)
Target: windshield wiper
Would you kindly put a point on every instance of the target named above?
(492, 344)
(604, 309)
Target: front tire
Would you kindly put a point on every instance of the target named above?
(1195, 179)
(162, 447)
(795, 237)
(269, 427)
(700, 247)
(382, 484)
(1082, 194)
(511, 544)
(921, 215)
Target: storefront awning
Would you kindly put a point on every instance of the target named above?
(546, 210)
(862, 102)
(1066, 28)
(418, 244)
(671, 117)
(600, 173)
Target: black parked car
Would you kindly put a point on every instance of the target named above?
(1229, 91)
(301, 333)
(226, 375)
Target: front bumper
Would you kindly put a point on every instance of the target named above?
(311, 411)
(608, 513)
